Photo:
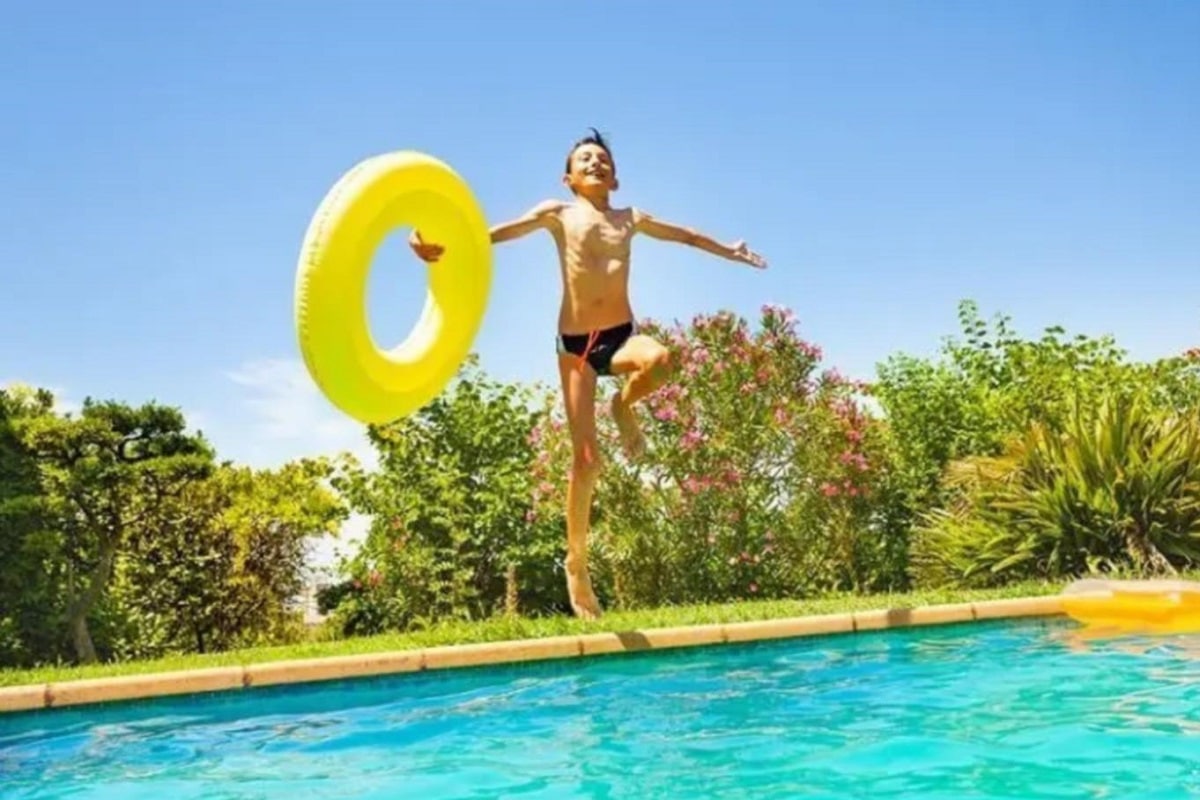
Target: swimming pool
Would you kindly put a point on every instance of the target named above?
(996, 709)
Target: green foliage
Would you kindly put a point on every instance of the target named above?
(100, 475)
(993, 386)
(767, 476)
(450, 509)
(983, 389)
(121, 538)
(759, 477)
(1115, 486)
(215, 566)
(31, 596)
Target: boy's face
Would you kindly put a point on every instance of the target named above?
(591, 170)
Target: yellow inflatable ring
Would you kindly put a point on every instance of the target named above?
(1157, 606)
(370, 201)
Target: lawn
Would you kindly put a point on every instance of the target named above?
(507, 628)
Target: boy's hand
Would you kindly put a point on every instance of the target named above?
(425, 251)
(740, 252)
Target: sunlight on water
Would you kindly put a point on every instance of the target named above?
(989, 710)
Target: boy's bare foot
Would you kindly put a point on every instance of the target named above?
(583, 598)
(632, 440)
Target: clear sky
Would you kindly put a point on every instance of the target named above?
(161, 161)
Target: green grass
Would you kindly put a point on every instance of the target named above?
(504, 628)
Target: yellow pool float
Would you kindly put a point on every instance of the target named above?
(1155, 606)
(370, 201)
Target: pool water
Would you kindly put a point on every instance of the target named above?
(1018, 710)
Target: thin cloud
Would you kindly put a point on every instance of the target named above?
(287, 417)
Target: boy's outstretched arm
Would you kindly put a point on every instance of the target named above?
(669, 232)
(538, 217)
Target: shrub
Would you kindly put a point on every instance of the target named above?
(451, 515)
(1114, 487)
(758, 481)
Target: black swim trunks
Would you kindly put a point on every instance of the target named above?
(597, 347)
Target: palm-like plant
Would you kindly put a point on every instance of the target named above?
(1116, 487)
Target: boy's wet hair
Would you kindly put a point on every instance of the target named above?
(592, 138)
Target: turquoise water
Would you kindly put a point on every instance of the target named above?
(989, 710)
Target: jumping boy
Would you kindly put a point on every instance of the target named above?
(596, 332)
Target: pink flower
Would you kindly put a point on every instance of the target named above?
(748, 388)
(781, 416)
(829, 489)
(692, 439)
(753, 588)
(854, 459)
(667, 413)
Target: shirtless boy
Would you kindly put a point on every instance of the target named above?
(596, 332)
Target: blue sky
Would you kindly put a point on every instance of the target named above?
(162, 161)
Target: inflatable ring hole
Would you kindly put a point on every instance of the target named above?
(397, 287)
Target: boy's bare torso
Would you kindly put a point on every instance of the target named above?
(593, 251)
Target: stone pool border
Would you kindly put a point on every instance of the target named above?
(58, 694)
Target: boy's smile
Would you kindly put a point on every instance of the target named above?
(591, 166)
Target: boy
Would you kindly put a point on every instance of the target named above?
(596, 333)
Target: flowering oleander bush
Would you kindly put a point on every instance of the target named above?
(759, 480)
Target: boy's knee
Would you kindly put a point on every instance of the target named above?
(661, 362)
(586, 462)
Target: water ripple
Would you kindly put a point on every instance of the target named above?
(994, 710)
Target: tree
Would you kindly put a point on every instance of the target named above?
(216, 565)
(452, 529)
(100, 474)
(29, 578)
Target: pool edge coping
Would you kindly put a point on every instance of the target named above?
(90, 691)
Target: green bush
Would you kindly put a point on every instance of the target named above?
(1113, 487)
(452, 533)
(992, 387)
(759, 478)
(120, 537)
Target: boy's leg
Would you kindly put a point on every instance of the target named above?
(647, 363)
(579, 396)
